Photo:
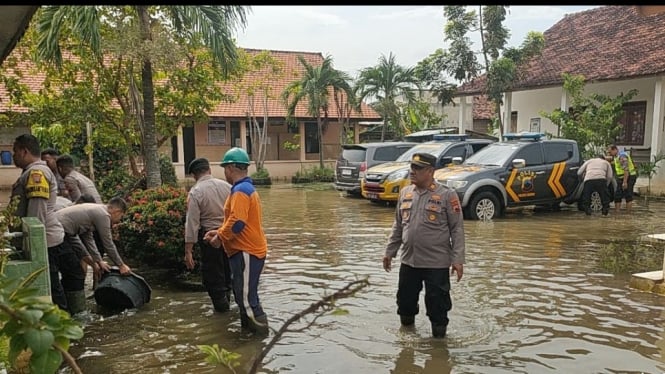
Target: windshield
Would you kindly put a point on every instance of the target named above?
(354, 154)
(434, 149)
(496, 154)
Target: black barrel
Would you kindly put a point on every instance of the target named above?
(116, 291)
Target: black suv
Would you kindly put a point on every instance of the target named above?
(355, 159)
(524, 169)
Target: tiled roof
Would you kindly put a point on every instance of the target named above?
(482, 107)
(292, 68)
(604, 43)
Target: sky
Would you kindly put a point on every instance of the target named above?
(357, 36)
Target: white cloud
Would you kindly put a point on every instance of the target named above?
(356, 36)
(311, 13)
(415, 12)
(536, 13)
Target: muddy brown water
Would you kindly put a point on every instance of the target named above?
(533, 300)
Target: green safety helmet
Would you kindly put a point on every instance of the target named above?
(235, 155)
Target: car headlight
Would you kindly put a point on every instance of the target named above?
(456, 184)
(401, 174)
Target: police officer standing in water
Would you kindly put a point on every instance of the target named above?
(429, 228)
(205, 212)
(37, 188)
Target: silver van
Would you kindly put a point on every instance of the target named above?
(355, 159)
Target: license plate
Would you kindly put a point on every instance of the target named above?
(372, 196)
(346, 172)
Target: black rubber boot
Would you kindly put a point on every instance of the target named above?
(75, 301)
(439, 331)
(259, 325)
(220, 302)
(407, 320)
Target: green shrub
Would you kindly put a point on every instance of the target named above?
(167, 171)
(260, 174)
(153, 229)
(317, 174)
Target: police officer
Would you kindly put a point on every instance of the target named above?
(429, 228)
(626, 176)
(37, 188)
(205, 211)
(76, 183)
(49, 155)
(80, 222)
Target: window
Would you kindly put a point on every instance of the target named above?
(532, 154)
(311, 137)
(632, 123)
(557, 152)
(387, 153)
(217, 132)
(457, 151)
(477, 146)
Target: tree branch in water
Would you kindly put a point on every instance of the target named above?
(326, 303)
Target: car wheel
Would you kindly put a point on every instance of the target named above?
(596, 204)
(484, 206)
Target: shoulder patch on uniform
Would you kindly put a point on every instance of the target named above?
(37, 185)
(454, 203)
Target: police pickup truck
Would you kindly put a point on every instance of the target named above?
(523, 169)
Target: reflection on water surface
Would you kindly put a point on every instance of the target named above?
(533, 300)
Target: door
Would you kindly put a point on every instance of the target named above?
(563, 178)
(454, 151)
(529, 185)
(189, 145)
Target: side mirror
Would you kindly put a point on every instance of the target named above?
(519, 163)
(457, 160)
(446, 160)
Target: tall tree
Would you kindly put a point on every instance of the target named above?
(263, 70)
(386, 83)
(214, 24)
(86, 89)
(315, 87)
(500, 63)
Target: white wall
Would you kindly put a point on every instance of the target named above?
(450, 112)
(528, 104)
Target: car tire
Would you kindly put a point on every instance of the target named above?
(596, 203)
(484, 206)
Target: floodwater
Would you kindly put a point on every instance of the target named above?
(533, 299)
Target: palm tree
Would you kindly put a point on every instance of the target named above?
(314, 86)
(386, 82)
(214, 24)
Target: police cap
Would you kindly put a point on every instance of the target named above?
(423, 159)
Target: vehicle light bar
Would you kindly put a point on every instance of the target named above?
(524, 136)
(451, 137)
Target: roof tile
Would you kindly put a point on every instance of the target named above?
(604, 43)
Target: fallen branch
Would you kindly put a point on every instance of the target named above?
(327, 302)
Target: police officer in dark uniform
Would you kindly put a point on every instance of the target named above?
(37, 187)
(205, 212)
(429, 228)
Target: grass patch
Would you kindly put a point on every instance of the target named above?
(619, 257)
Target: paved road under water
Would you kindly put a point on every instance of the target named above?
(533, 299)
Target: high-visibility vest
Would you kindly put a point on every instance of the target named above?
(619, 170)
